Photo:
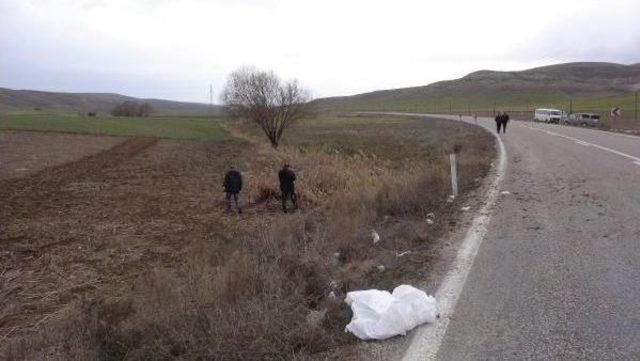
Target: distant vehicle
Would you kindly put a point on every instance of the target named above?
(549, 115)
(584, 119)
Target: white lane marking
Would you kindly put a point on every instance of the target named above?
(427, 339)
(636, 163)
(606, 149)
(582, 143)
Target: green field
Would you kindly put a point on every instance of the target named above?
(173, 127)
(484, 103)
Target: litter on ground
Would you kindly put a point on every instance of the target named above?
(402, 254)
(464, 209)
(375, 236)
(379, 314)
(505, 192)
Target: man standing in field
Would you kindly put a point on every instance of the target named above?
(287, 178)
(232, 187)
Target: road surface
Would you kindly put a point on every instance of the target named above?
(557, 275)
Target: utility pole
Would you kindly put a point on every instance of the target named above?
(570, 106)
(211, 98)
(494, 108)
(450, 106)
(636, 106)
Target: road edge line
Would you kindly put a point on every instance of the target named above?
(427, 339)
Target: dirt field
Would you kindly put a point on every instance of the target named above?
(92, 223)
(124, 253)
(24, 153)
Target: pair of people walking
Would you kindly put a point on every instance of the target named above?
(233, 185)
(501, 122)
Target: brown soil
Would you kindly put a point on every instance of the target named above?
(24, 153)
(95, 223)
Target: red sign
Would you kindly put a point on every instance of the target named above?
(616, 112)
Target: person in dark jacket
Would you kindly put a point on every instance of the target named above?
(498, 122)
(505, 120)
(232, 187)
(287, 178)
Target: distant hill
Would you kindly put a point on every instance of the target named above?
(29, 100)
(589, 84)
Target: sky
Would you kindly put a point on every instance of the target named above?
(174, 49)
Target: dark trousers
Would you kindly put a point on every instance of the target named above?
(501, 124)
(236, 199)
(289, 194)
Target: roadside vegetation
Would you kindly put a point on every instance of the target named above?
(128, 254)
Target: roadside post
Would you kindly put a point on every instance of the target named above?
(454, 175)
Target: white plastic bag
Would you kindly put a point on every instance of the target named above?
(380, 314)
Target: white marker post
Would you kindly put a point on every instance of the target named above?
(454, 175)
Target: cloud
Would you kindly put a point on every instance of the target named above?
(600, 32)
(177, 48)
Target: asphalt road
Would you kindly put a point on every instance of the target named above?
(557, 276)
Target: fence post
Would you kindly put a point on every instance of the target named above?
(636, 112)
(454, 175)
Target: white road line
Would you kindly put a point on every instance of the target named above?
(427, 339)
(580, 141)
(636, 163)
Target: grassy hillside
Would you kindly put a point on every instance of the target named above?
(592, 87)
(174, 127)
(20, 101)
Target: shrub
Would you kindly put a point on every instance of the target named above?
(132, 109)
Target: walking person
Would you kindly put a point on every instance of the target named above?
(505, 120)
(498, 122)
(232, 187)
(287, 178)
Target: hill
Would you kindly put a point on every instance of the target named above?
(588, 85)
(29, 100)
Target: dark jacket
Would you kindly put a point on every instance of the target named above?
(505, 117)
(287, 177)
(232, 181)
(498, 118)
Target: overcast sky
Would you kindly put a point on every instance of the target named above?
(174, 49)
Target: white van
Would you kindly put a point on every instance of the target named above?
(548, 115)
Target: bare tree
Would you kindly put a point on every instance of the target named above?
(264, 99)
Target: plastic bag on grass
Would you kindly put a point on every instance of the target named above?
(379, 314)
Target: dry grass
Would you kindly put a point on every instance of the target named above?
(257, 288)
